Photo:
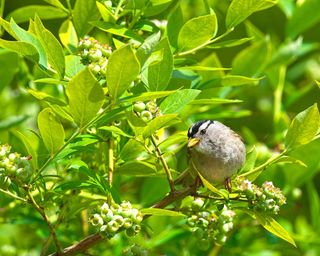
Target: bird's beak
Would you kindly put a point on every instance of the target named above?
(192, 142)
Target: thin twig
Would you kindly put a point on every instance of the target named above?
(80, 246)
(164, 164)
(45, 218)
(13, 195)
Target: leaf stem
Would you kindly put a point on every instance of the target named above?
(45, 218)
(13, 195)
(164, 163)
(204, 44)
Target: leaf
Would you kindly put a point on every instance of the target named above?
(30, 38)
(197, 31)
(85, 97)
(51, 130)
(209, 186)
(84, 12)
(161, 212)
(230, 43)
(118, 30)
(239, 10)
(175, 22)
(234, 80)
(52, 47)
(25, 49)
(73, 65)
(45, 12)
(11, 61)
(145, 50)
(122, 69)
(175, 103)
(159, 73)
(56, 3)
(12, 121)
(68, 36)
(158, 123)
(250, 161)
(132, 150)
(274, 227)
(137, 168)
(29, 145)
(115, 130)
(303, 128)
(213, 101)
(146, 96)
(105, 12)
(304, 16)
(252, 60)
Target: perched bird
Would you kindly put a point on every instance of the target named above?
(216, 152)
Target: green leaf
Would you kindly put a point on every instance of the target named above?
(51, 130)
(68, 36)
(45, 97)
(122, 69)
(175, 103)
(145, 50)
(85, 97)
(137, 168)
(250, 161)
(45, 12)
(132, 150)
(209, 186)
(28, 37)
(161, 212)
(239, 10)
(105, 12)
(274, 227)
(11, 61)
(175, 22)
(252, 60)
(73, 65)
(84, 12)
(29, 143)
(233, 80)
(146, 96)
(303, 128)
(304, 16)
(230, 43)
(12, 121)
(159, 73)
(52, 47)
(197, 31)
(115, 130)
(213, 101)
(118, 30)
(56, 3)
(158, 123)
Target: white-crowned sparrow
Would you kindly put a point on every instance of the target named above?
(216, 152)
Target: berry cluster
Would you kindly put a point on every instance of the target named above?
(210, 225)
(266, 198)
(13, 167)
(114, 218)
(94, 54)
(146, 111)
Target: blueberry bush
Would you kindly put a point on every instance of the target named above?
(96, 100)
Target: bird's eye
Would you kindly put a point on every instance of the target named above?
(202, 132)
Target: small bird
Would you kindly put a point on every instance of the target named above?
(216, 152)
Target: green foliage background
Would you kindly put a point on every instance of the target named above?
(260, 74)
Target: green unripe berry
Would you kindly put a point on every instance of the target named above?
(146, 116)
(139, 106)
(197, 204)
(23, 174)
(127, 223)
(113, 226)
(96, 220)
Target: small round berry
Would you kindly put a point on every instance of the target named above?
(146, 116)
(139, 106)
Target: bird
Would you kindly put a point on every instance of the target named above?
(216, 152)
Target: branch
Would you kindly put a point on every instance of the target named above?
(80, 246)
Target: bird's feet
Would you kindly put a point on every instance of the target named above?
(227, 184)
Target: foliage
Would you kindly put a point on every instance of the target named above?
(96, 100)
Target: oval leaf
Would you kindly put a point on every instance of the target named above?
(161, 212)
(85, 97)
(123, 67)
(197, 31)
(303, 128)
(239, 10)
(51, 130)
(158, 123)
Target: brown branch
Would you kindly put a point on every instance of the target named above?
(80, 246)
